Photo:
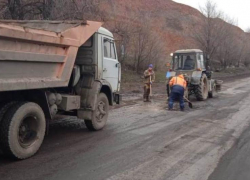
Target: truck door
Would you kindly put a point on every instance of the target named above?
(111, 66)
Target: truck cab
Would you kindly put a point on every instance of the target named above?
(100, 73)
(111, 69)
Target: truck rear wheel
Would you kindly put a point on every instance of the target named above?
(22, 130)
(100, 114)
(202, 89)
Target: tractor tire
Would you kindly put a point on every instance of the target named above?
(202, 89)
(22, 130)
(100, 114)
(213, 93)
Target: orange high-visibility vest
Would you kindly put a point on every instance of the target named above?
(178, 81)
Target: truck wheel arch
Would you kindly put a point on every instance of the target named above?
(107, 90)
(89, 98)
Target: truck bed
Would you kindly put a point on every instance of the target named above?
(40, 54)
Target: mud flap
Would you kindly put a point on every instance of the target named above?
(218, 87)
(89, 93)
(211, 85)
(196, 77)
(117, 98)
(218, 84)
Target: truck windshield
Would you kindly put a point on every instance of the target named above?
(184, 62)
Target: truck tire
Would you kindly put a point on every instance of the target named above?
(100, 114)
(4, 108)
(22, 130)
(202, 89)
(213, 93)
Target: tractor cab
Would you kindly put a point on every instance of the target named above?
(185, 61)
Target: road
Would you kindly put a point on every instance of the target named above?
(142, 141)
(235, 164)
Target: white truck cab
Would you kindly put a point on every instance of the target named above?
(111, 70)
(100, 73)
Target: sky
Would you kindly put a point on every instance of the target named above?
(238, 10)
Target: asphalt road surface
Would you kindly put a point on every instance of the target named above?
(143, 141)
(235, 164)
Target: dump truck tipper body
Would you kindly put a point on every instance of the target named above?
(49, 68)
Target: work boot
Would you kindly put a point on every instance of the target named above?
(183, 110)
(148, 100)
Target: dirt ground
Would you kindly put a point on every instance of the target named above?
(142, 141)
(134, 90)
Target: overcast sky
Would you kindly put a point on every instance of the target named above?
(239, 10)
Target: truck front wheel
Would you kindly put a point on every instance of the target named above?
(100, 114)
(22, 130)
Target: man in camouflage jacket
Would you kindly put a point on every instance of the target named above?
(147, 83)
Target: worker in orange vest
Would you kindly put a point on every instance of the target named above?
(178, 85)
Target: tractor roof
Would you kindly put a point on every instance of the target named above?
(184, 51)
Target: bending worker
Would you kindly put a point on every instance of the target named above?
(178, 86)
(148, 75)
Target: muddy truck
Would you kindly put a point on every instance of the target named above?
(50, 69)
(194, 66)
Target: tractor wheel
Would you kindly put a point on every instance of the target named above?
(100, 114)
(22, 130)
(202, 89)
(213, 93)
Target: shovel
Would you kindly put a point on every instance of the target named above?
(189, 103)
(150, 86)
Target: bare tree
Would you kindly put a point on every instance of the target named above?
(218, 38)
(147, 48)
(52, 9)
(135, 34)
(79, 10)
(46, 9)
(123, 32)
(26, 9)
(211, 30)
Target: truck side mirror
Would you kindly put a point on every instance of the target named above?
(122, 51)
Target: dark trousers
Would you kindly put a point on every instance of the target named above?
(177, 93)
(146, 91)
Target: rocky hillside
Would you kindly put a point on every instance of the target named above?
(172, 21)
(148, 30)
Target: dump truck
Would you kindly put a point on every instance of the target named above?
(51, 68)
(193, 64)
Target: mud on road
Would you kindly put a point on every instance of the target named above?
(141, 141)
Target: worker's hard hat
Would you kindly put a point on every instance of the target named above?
(150, 65)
